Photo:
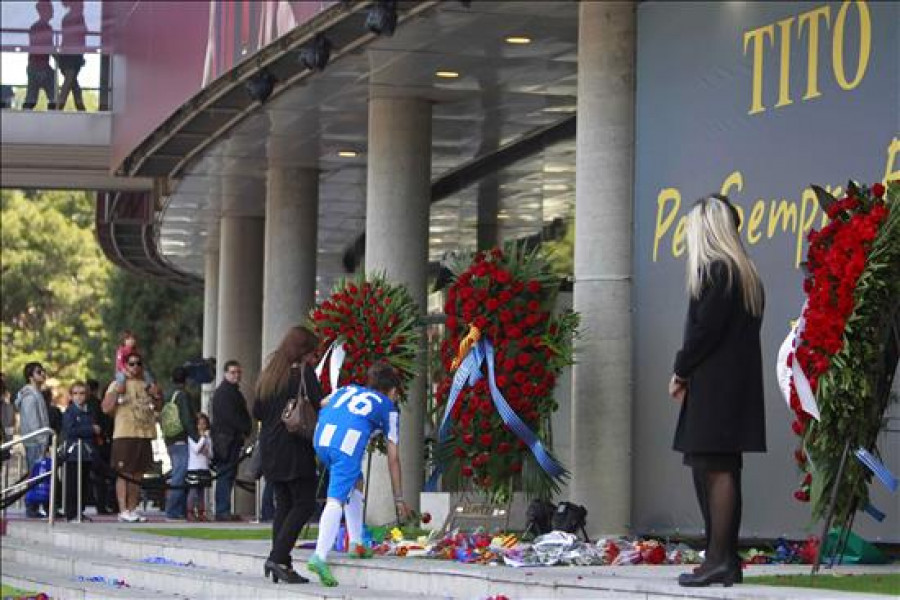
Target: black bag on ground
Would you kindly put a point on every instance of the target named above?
(540, 513)
(569, 517)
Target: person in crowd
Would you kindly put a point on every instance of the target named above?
(348, 418)
(33, 416)
(54, 413)
(231, 424)
(7, 416)
(103, 493)
(127, 345)
(288, 460)
(133, 404)
(40, 74)
(78, 426)
(718, 380)
(177, 445)
(198, 477)
(74, 33)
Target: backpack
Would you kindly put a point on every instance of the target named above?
(170, 418)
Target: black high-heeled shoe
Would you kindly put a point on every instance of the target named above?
(738, 571)
(283, 573)
(723, 573)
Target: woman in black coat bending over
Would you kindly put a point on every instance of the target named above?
(288, 461)
(718, 380)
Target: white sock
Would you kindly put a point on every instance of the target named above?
(353, 512)
(329, 523)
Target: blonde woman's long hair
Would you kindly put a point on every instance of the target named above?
(297, 343)
(712, 235)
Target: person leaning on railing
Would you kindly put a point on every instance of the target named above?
(79, 430)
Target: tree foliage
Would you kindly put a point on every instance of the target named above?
(64, 304)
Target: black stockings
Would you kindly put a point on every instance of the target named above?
(719, 495)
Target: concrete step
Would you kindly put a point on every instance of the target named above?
(414, 577)
(61, 587)
(171, 580)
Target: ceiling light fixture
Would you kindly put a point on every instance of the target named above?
(518, 39)
(446, 74)
(260, 85)
(381, 18)
(314, 55)
(347, 153)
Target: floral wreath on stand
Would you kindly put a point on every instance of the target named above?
(363, 321)
(503, 352)
(845, 345)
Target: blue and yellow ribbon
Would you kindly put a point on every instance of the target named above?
(474, 351)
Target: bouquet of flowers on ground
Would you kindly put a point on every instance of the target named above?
(501, 305)
(848, 344)
(366, 319)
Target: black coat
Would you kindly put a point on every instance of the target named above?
(286, 456)
(721, 357)
(231, 423)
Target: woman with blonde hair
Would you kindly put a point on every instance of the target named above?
(718, 380)
(288, 460)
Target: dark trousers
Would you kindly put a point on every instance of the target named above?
(71, 505)
(295, 502)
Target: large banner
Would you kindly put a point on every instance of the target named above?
(756, 100)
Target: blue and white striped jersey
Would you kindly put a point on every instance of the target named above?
(352, 415)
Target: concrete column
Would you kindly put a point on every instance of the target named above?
(240, 309)
(602, 402)
(397, 208)
(210, 318)
(240, 296)
(289, 288)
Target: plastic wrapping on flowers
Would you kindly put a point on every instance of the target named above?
(506, 297)
(853, 293)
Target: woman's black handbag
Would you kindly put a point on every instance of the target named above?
(299, 416)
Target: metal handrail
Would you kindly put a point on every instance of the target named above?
(22, 439)
(51, 512)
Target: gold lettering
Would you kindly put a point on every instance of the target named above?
(784, 78)
(786, 212)
(756, 217)
(811, 19)
(666, 197)
(678, 241)
(734, 180)
(892, 168)
(865, 45)
(755, 37)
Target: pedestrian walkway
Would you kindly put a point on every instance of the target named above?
(37, 557)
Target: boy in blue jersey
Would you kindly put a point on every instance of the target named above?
(348, 418)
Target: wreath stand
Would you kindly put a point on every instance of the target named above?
(883, 393)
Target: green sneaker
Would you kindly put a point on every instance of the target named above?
(320, 568)
(359, 551)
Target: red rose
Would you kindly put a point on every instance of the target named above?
(533, 286)
(459, 452)
(878, 190)
(516, 467)
(492, 304)
(426, 518)
(486, 440)
(467, 471)
(798, 427)
(468, 439)
(523, 359)
(502, 276)
(801, 495)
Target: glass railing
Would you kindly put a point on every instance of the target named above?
(57, 82)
